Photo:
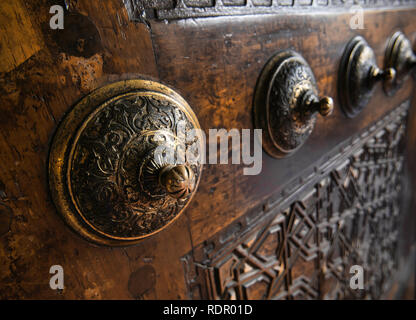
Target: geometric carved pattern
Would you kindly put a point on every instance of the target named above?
(181, 9)
(347, 214)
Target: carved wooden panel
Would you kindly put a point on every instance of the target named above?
(139, 10)
(346, 212)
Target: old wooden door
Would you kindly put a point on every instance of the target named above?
(293, 231)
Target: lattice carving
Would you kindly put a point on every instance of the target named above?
(345, 214)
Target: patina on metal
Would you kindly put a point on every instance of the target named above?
(108, 174)
(286, 103)
(400, 57)
(358, 75)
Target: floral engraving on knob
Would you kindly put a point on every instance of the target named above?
(286, 103)
(105, 162)
(283, 100)
(114, 178)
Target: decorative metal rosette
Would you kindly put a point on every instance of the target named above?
(110, 174)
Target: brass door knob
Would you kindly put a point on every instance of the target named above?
(358, 75)
(118, 169)
(286, 103)
(399, 56)
(179, 181)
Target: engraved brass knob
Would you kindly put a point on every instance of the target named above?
(179, 181)
(400, 56)
(286, 103)
(358, 75)
(117, 168)
(312, 105)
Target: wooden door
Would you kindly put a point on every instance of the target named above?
(346, 197)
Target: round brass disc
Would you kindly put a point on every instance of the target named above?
(103, 172)
(355, 87)
(283, 82)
